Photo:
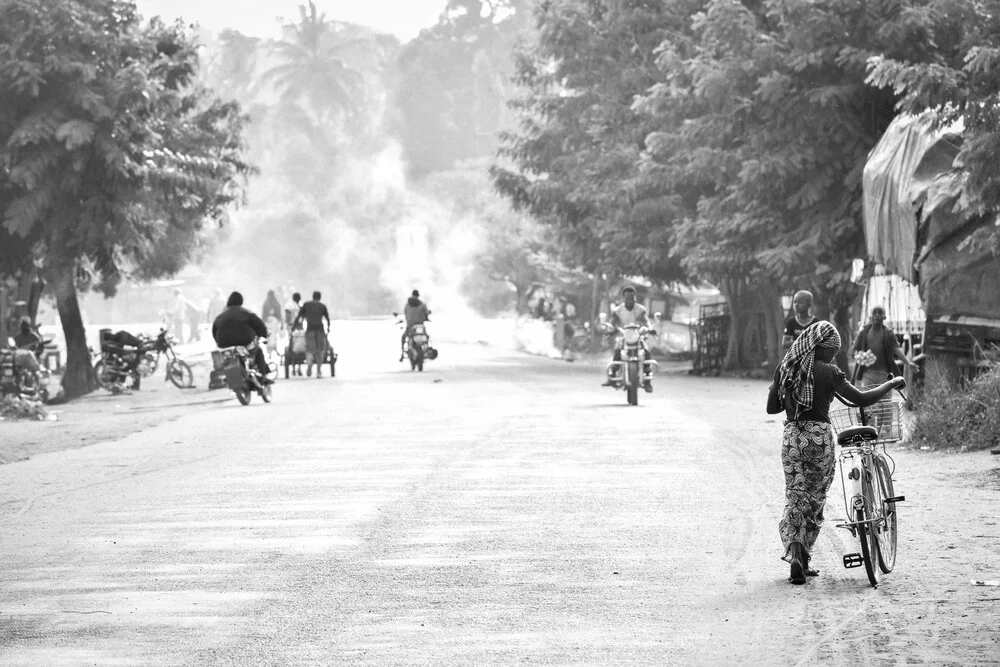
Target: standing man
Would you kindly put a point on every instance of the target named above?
(313, 313)
(801, 319)
(215, 306)
(882, 343)
(178, 312)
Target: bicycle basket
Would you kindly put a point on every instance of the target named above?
(884, 416)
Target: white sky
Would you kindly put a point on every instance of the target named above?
(403, 18)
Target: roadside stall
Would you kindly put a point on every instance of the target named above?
(918, 223)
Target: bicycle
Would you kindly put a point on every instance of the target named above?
(862, 434)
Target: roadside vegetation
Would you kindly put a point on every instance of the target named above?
(956, 415)
(15, 408)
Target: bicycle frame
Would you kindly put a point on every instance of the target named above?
(866, 482)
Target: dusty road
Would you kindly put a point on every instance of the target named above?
(495, 509)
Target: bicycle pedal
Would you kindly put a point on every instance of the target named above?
(896, 499)
(853, 560)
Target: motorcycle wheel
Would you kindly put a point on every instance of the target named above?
(632, 390)
(243, 396)
(265, 393)
(99, 373)
(180, 374)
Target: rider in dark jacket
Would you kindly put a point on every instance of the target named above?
(238, 326)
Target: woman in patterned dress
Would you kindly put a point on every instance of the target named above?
(804, 385)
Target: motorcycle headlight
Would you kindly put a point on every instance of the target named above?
(631, 336)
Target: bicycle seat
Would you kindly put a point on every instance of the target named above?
(854, 433)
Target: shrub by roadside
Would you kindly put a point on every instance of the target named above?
(15, 408)
(958, 416)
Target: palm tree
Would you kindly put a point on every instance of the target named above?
(314, 65)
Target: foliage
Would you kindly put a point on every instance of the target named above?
(580, 140)
(952, 73)
(108, 151)
(714, 140)
(17, 408)
(453, 80)
(962, 417)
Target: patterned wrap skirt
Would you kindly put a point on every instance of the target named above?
(808, 458)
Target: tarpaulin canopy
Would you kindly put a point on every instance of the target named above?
(916, 216)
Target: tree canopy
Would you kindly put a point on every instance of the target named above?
(722, 140)
(109, 154)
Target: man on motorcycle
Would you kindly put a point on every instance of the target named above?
(26, 338)
(626, 313)
(415, 312)
(238, 326)
(27, 342)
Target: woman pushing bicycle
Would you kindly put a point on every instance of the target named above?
(804, 386)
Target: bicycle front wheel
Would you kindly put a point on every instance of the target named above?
(869, 545)
(886, 529)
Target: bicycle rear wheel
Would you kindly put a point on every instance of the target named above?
(886, 529)
(869, 546)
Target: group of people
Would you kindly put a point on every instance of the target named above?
(237, 325)
(803, 387)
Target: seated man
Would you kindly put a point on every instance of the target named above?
(238, 326)
(626, 313)
(26, 341)
(415, 311)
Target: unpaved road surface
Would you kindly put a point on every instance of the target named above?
(495, 509)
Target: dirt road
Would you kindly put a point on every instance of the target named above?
(495, 509)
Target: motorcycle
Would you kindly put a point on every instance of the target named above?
(418, 346)
(240, 372)
(21, 375)
(636, 367)
(139, 357)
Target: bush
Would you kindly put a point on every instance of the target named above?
(14, 408)
(958, 416)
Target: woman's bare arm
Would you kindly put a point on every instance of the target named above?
(868, 396)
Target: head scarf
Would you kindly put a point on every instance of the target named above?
(796, 370)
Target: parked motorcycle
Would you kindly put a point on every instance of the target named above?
(636, 367)
(178, 371)
(21, 374)
(126, 359)
(241, 374)
(418, 346)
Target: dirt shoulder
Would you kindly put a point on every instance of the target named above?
(102, 417)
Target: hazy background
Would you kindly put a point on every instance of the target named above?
(372, 126)
(259, 18)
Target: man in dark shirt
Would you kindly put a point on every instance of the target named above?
(314, 312)
(801, 320)
(238, 326)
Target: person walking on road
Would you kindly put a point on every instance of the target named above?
(802, 318)
(804, 386)
(313, 313)
(881, 343)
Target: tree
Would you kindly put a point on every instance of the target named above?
(955, 78)
(314, 65)
(571, 163)
(108, 152)
(453, 81)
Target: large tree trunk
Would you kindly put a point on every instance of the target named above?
(78, 378)
(734, 298)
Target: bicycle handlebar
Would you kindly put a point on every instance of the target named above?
(889, 377)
